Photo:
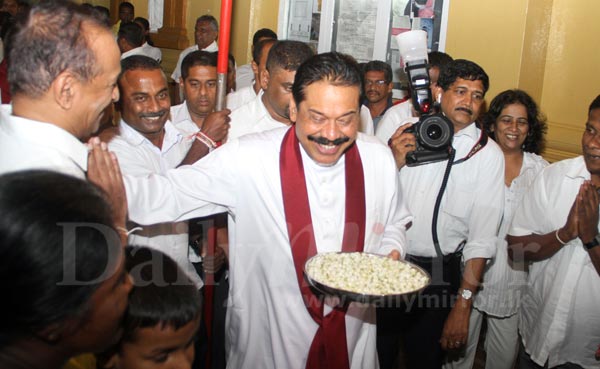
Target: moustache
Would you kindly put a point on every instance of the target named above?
(325, 141)
(466, 110)
(153, 115)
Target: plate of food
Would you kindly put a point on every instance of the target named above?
(364, 277)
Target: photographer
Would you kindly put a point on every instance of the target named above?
(467, 223)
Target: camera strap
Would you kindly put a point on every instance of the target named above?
(480, 144)
(438, 202)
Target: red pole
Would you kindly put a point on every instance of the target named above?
(222, 64)
(223, 59)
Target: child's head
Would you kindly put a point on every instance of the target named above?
(163, 314)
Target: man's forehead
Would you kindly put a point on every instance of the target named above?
(203, 25)
(208, 70)
(135, 76)
(468, 84)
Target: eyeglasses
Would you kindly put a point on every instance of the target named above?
(379, 82)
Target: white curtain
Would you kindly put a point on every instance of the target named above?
(155, 14)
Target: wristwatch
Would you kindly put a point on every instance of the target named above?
(465, 293)
(593, 243)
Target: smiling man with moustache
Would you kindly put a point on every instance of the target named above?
(316, 186)
(469, 215)
(148, 143)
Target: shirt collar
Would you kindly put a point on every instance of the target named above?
(180, 113)
(172, 135)
(578, 170)
(471, 131)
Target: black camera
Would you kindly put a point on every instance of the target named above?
(433, 131)
(434, 136)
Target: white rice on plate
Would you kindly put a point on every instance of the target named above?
(366, 274)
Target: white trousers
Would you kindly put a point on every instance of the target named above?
(501, 342)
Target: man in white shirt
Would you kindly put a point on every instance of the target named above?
(199, 86)
(244, 95)
(468, 218)
(149, 143)
(378, 89)
(396, 115)
(271, 108)
(130, 39)
(556, 230)
(292, 186)
(205, 34)
(246, 74)
(149, 49)
(59, 97)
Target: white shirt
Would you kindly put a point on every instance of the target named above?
(471, 208)
(28, 144)
(251, 118)
(268, 325)
(135, 51)
(559, 315)
(182, 120)
(393, 118)
(152, 52)
(241, 96)
(504, 280)
(139, 157)
(244, 76)
(366, 122)
(177, 72)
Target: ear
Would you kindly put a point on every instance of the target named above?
(254, 67)
(390, 87)
(293, 111)
(264, 79)
(51, 334)
(437, 94)
(65, 87)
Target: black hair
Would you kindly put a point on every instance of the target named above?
(138, 62)
(48, 40)
(126, 4)
(438, 59)
(464, 69)
(196, 58)
(336, 68)
(210, 19)
(288, 55)
(263, 33)
(162, 294)
(53, 228)
(258, 49)
(595, 104)
(146, 27)
(132, 33)
(535, 140)
(379, 66)
(103, 14)
(7, 22)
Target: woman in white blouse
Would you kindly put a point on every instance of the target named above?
(515, 123)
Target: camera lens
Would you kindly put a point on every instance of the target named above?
(434, 132)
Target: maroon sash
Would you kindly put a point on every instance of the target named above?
(329, 348)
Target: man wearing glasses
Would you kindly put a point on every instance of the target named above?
(377, 89)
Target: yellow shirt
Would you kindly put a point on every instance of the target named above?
(84, 361)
